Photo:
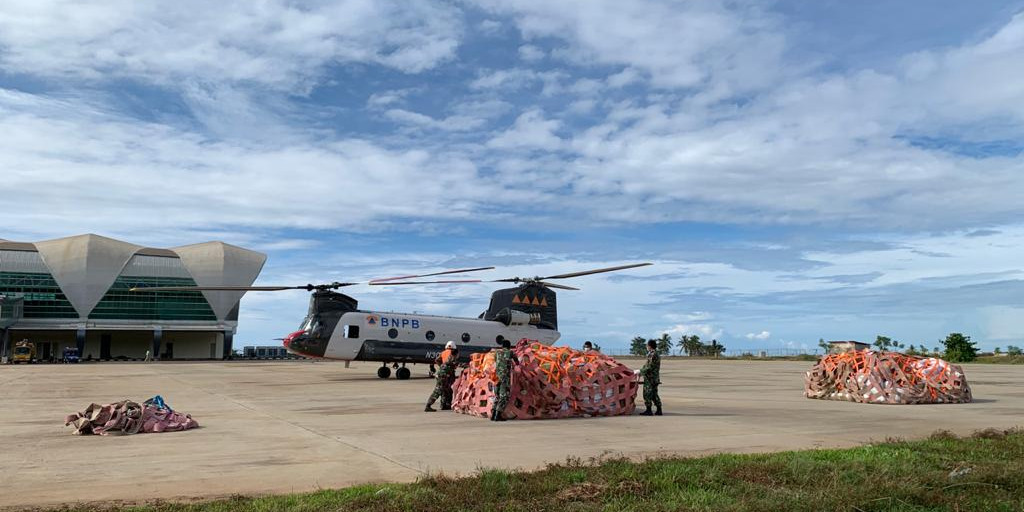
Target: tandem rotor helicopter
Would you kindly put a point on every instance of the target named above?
(335, 327)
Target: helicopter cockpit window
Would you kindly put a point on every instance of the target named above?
(351, 331)
(307, 324)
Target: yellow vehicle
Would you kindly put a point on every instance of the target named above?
(24, 352)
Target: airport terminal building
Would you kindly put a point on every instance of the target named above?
(74, 292)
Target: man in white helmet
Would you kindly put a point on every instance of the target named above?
(447, 361)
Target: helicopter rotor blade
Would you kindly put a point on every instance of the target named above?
(390, 283)
(446, 272)
(559, 286)
(213, 288)
(541, 280)
(595, 271)
(308, 287)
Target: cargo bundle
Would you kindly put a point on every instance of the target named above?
(549, 382)
(873, 377)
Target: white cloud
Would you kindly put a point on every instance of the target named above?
(816, 150)
(679, 45)
(515, 78)
(763, 335)
(387, 98)
(705, 331)
(531, 53)
(279, 44)
(531, 131)
(451, 123)
(807, 147)
(983, 79)
(623, 78)
(490, 26)
(688, 317)
(97, 169)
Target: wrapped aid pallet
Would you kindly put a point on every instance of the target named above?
(886, 378)
(549, 382)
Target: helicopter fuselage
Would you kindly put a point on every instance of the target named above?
(405, 338)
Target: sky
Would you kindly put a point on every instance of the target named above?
(794, 170)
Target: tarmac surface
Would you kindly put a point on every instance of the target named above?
(273, 427)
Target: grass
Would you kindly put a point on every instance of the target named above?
(983, 472)
(1000, 360)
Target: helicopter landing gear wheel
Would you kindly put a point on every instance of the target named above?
(383, 372)
(403, 373)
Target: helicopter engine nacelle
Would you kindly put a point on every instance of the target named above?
(512, 317)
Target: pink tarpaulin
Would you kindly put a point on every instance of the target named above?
(128, 417)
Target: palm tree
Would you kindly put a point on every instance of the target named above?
(691, 344)
(664, 344)
(715, 349)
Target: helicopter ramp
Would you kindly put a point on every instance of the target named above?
(273, 427)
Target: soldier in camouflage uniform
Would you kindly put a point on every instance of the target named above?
(651, 373)
(448, 361)
(503, 360)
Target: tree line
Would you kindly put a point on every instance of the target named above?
(691, 345)
(956, 348)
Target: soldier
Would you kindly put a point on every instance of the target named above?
(447, 361)
(651, 373)
(503, 360)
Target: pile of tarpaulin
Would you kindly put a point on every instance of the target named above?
(127, 417)
(549, 382)
(886, 378)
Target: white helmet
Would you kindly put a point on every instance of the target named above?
(450, 344)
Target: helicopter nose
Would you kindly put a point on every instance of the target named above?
(290, 338)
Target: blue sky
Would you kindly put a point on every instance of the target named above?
(795, 170)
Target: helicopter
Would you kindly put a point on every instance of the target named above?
(335, 327)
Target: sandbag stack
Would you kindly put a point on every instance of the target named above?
(549, 382)
(867, 376)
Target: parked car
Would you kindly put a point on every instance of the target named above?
(70, 355)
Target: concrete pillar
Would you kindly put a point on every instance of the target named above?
(229, 336)
(158, 336)
(80, 343)
(5, 340)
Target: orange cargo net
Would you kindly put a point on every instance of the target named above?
(886, 378)
(549, 382)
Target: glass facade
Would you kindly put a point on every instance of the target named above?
(10, 309)
(88, 263)
(43, 298)
(121, 304)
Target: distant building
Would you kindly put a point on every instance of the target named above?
(267, 352)
(838, 347)
(74, 292)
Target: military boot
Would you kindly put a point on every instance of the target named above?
(428, 408)
(658, 412)
(446, 407)
(647, 412)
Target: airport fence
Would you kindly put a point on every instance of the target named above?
(741, 352)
